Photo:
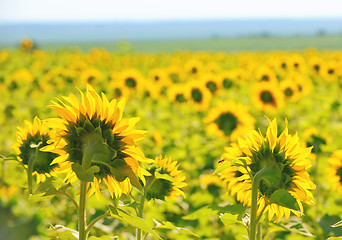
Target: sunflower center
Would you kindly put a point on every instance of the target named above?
(180, 98)
(265, 78)
(117, 92)
(227, 83)
(194, 70)
(211, 86)
(91, 79)
(267, 97)
(288, 92)
(339, 173)
(316, 67)
(283, 65)
(331, 71)
(130, 82)
(156, 78)
(196, 95)
(227, 122)
(42, 160)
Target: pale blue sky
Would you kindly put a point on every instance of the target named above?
(109, 10)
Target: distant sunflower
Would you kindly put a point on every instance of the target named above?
(316, 138)
(168, 181)
(91, 76)
(334, 171)
(131, 78)
(95, 127)
(265, 74)
(290, 90)
(227, 79)
(32, 136)
(212, 83)
(316, 65)
(193, 67)
(285, 154)
(230, 120)
(267, 97)
(177, 94)
(331, 71)
(199, 95)
(26, 44)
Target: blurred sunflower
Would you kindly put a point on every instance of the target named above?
(168, 180)
(176, 94)
(93, 135)
(290, 90)
(288, 161)
(230, 120)
(30, 140)
(267, 97)
(334, 171)
(90, 76)
(227, 79)
(199, 95)
(131, 78)
(211, 82)
(26, 44)
(316, 138)
(265, 74)
(331, 71)
(193, 67)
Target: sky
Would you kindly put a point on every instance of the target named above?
(154, 10)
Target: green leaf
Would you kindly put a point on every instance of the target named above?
(222, 167)
(121, 171)
(295, 225)
(338, 224)
(83, 175)
(112, 209)
(169, 225)
(334, 238)
(164, 176)
(229, 219)
(285, 199)
(62, 232)
(134, 221)
(201, 213)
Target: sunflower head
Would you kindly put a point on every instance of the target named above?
(267, 97)
(30, 139)
(167, 180)
(281, 155)
(98, 143)
(334, 171)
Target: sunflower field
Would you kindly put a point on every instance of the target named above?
(182, 145)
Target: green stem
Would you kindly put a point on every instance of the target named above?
(30, 171)
(91, 225)
(254, 208)
(82, 212)
(72, 199)
(140, 214)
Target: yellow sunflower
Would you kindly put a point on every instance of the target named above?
(334, 171)
(230, 120)
(290, 90)
(131, 78)
(288, 160)
(267, 97)
(26, 44)
(177, 94)
(30, 140)
(91, 76)
(212, 82)
(265, 74)
(168, 180)
(199, 95)
(94, 136)
(193, 68)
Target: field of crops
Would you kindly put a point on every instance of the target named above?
(175, 155)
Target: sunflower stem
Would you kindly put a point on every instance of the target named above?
(140, 214)
(82, 212)
(254, 208)
(30, 171)
(91, 225)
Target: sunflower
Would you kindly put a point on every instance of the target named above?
(267, 97)
(93, 135)
(265, 74)
(211, 81)
(90, 76)
(331, 71)
(334, 171)
(230, 120)
(316, 138)
(26, 44)
(193, 67)
(176, 94)
(131, 78)
(199, 95)
(227, 79)
(30, 140)
(168, 180)
(316, 65)
(288, 160)
(290, 90)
